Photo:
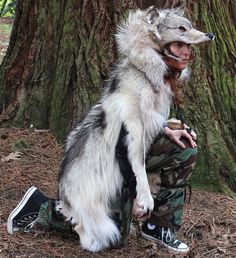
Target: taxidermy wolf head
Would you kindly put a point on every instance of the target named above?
(156, 29)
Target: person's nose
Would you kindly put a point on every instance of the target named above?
(186, 51)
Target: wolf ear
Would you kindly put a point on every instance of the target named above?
(179, 11)
(152, 15)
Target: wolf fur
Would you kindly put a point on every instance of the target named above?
(137, 98)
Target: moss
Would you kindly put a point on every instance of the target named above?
(20, 115)
(38, 107)
(211, 100)
(21, 145)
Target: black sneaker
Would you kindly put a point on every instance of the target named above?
(26, 211)
(164, 236)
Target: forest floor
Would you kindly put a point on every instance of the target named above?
(209, 225)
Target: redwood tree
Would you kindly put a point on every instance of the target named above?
(60, 52)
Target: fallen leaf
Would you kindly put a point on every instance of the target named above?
(12, 156)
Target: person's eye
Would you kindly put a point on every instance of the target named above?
(180, 44)
(181, 28)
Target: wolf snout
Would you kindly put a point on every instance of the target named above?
(211, 36)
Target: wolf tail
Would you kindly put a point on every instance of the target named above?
(96, 229)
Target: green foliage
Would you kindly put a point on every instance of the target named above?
(21, 145)
(7, 8)
(5, 30)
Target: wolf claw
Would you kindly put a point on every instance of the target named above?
(143, 205)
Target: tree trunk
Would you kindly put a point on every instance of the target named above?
(55, 63)
(211, 96)
(61, 51)
(59, 54)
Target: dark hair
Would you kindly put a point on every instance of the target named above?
(172, 78)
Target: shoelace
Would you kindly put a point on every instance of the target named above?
(29, 226)
(169, 236)
(26, 219)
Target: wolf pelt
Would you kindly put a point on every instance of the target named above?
(137, 97)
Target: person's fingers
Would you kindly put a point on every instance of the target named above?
(181, 144)
(189, 138)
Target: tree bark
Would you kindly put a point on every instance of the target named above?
(55, 63)
(60, 52)
(210, 99)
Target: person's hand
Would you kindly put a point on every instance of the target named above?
(191, 132)
(175, 135)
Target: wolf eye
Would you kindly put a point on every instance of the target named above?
(181, 28)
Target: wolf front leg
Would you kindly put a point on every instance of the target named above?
(143, 203)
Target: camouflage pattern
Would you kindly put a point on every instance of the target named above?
(122, 212)
(169, 168)
(50, 218)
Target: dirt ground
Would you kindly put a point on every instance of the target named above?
(209, 225)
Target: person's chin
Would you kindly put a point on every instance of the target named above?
(182, 65)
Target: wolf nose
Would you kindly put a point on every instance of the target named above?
(210, 35)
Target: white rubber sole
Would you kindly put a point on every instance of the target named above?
(186, 250)
(13, 214)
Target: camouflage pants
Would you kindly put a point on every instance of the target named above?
(169, 168)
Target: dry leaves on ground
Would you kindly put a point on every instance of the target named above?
(209, 225)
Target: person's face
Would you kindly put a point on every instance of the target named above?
(181, 50)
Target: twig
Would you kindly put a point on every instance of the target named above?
(193, 225)
(211, 251)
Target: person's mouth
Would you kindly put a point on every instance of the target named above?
(184, 60)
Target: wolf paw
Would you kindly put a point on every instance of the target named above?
(143, 205)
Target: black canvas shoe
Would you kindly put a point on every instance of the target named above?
(26, 211)
(164, 236)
